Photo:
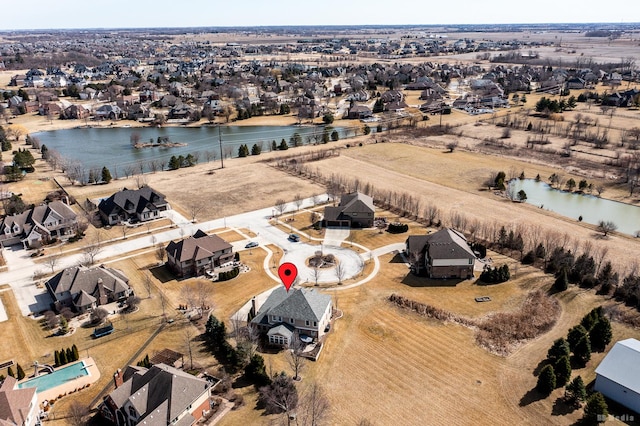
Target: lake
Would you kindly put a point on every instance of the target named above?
(592, 209)
(111, 147)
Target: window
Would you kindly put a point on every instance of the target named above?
(291, 320)
(307, 323)
(315, 324)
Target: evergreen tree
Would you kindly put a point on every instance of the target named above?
(56, 357)
(283, 145)
(546, 380)
(561, 283)
(45, 152)
(274, 146)
(574, 336)
(10, 372)
(335, 136)
(174, 163)
(562, 369)
(582, 351)
(63, 357)
(76, 354)
(257, 372)
(190, 160)
(600, 335)
(559, 349)
(21, 374)
(255, 149)
(576, 391)
(596, 410)
(241, 151)
(106, 175)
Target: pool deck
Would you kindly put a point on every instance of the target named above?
(72, 385)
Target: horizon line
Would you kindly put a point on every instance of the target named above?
(228, 27)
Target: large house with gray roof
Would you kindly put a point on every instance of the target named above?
(38, 225)
(197, 254)
(285, 313)
(132, 204)
(443, 254)
(160, 395)
(83, 289)
(618, 375)
(355, 210)
(18, 406)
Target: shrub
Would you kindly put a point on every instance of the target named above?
(495, 275)
(546, 380)
(229, 275)
(397, 228)
(529, 258)
(561, 283)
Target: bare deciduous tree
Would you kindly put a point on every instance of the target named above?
(294, 356)
(91, 251)
(52, 261)
(313, 407)
(161, 252)
(340, 271)
(280, 206)
(187, 335)
(606, 227)
(76, 414)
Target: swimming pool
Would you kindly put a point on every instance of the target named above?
(58, 377)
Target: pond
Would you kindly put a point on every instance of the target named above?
(111, 147)
(573, 205)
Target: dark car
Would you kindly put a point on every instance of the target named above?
(294, 238)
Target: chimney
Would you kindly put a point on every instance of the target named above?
(117, 378)
(253, 311)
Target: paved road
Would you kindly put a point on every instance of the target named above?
(21, 267)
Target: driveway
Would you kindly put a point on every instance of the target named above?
(335, 236)
(32, 299)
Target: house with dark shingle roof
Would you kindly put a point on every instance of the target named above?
(160, 395)
(84, 289)
(355, 210)
(285, 313)
(38, 225)
(138, 204)
(197, 254)
(18, 406)
(443, 254)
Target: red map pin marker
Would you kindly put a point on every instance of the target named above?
(288, 273)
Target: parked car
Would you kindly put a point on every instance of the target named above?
(294, 238)
(251, 244)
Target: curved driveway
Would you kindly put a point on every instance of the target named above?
(31, 299)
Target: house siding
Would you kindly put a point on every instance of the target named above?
(618, 393)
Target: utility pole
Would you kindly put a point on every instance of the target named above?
(220, 142)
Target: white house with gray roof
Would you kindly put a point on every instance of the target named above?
(618, 375)
(283, 314)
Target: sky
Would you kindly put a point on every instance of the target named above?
(67, 14)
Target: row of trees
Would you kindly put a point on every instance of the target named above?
(593, 333)
(21, 375)
(65, 356)
(182, 161)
